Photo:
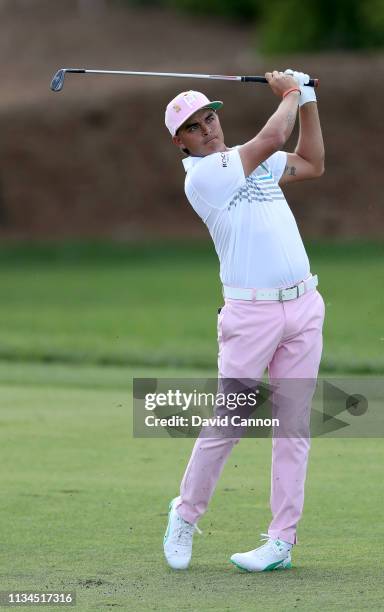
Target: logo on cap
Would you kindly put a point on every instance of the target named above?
(190, 99)
(176, 108)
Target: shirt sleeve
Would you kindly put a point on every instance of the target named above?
(215, 179)
(276, 164)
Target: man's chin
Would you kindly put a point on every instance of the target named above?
(215, 145)
(212, 146)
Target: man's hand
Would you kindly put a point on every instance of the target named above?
(280, 82)
(307, 94)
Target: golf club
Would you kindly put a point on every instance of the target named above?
(57, 83)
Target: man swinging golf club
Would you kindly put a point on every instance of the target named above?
(273, 314)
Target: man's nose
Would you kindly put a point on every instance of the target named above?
(205, 128)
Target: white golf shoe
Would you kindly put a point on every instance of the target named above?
(178, 539)
(274, 554)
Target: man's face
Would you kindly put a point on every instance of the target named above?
(201, 134)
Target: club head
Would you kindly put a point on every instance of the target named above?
(57, 82)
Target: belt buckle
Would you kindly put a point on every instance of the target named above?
(288, 289)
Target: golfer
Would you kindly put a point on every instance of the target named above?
(273, 314)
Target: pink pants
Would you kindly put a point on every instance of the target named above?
(286, 338)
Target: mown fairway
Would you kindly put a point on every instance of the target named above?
(84, 504)
(157, 305)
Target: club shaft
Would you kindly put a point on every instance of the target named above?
(159, 74)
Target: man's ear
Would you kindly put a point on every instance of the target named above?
(179, 143)
(177, 140)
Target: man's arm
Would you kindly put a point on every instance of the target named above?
(278, 127)
(308, 159)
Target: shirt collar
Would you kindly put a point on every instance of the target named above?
(190, 161)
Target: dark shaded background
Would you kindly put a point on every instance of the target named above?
(97, 160)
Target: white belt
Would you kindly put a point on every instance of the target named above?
(276, 295)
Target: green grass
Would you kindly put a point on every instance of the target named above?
(84, 506)
(156, 304)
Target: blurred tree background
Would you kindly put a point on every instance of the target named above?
(293, 25)
(88, 131)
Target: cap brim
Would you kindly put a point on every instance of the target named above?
(215, 105)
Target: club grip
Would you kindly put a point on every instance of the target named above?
(260, 79)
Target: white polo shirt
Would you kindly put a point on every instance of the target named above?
(253, 229)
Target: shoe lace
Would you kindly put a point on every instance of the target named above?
(266, 536)
(185, 532)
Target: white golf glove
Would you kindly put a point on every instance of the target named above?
(307, 94)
